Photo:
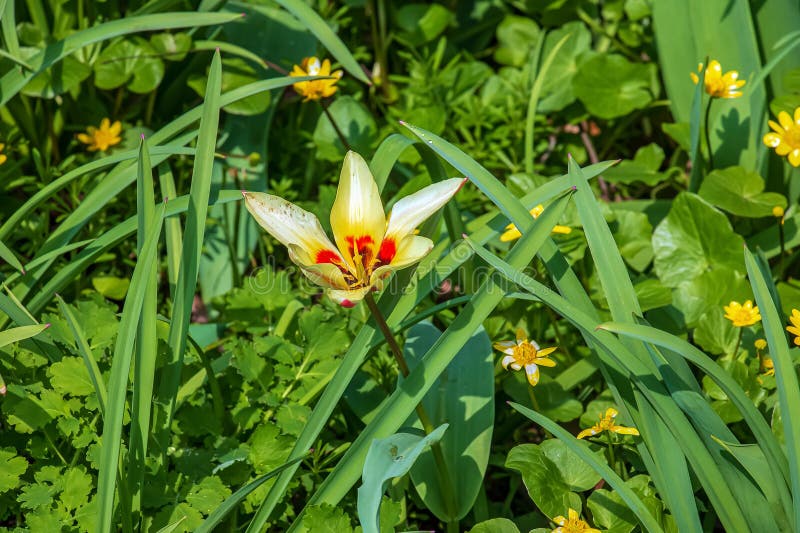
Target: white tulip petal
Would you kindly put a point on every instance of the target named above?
(290, 224)
(357, 217)
(411, 211)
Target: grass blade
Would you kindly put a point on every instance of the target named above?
(785, 373)
(8, 256)
(13, 81)
(118, 381)
(192, 247)
(326, 36)
(20, 333)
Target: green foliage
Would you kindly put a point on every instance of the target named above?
(165, 366)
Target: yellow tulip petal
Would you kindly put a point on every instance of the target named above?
(348, 298)
(410, 250)
(357, 217)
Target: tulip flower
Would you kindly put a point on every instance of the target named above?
(369, 245)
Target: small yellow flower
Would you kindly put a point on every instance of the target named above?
(785, 137)
(101, 138)
(794, 329)
(760, 344)
(778, 211)
(742, 315)
(573, 524)
(3, 157)
(717, 84)
(524, 353)
(606, 423)
(767, 366)
(316, 89)
(512, 233)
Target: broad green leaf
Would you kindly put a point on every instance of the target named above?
(70, 376)
(693, 239)
(131, 62)
(610, 86)
(557, 90)
(236, 73)
(13, 468)
(465, 400)
(171, 46)
(740, 192)
(354, 121)
(55, 80)
(326, 518)
(543, 479)
(495, 525)
(387, 459)
(422, 23)
(111, 286)
(709, 292)
(610, 512)
(633, 235)
(517, 37)
(644, 167)
(575, 472)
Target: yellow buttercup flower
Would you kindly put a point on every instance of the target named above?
(606, 423)
(717, 84)
(785, 137)
(760, 344)
(778, 211)
(513, 233)
(742, 315)
(315, 89)
(3, 157)
(794, 329)
(101, 138)
(572, 524)
(369, 245)
(524, 353)
(767, 366)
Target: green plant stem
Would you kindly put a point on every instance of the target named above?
(738, 342)
(708, 135)
(425, 420)
(611, 457)
(342, 138)
(534, 401)
(783, 245)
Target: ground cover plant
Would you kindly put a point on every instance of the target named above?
(487, 266)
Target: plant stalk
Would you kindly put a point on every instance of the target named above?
(738, 343)
(335, 126)
(425, 420)
(707, 128)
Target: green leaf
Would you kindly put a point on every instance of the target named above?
(465, 400)
(642, 168)
(633, 235)
(386, 459)
(172, 46)
(131, 62)
(208, 494)
(495, 525)
(14, 467)
(693, 239)
(70, 376)
(56, 80)
(517, 37)
(326, 518)
(709, 291)
(77, 487)
(354, 121)
(610, 86)
(610, 512)
(543, 479)
(422, 23)
(741, 192)
(557, 90)
(111, 286)
(236, 73)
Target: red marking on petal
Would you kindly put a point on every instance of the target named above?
(326, 256)
(347, 303)
(361, 242)
(387, 251)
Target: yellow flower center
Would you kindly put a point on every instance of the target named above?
(742, 316)
(574, 525)
(104, 138)
(525, 353)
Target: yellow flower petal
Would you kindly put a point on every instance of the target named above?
(357, 217)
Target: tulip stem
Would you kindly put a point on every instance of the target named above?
(335, 126)
(708, 135)
(427, 424)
